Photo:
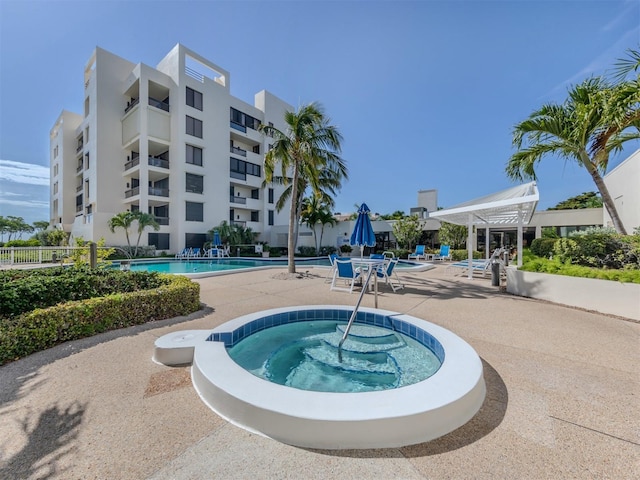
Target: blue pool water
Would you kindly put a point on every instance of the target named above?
(225, 264)
(304, 355)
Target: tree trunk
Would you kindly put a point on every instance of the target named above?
(292, 220)
(607, 200)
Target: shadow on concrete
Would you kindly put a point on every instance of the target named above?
(49, 439)
(20, 377)
(484, 422)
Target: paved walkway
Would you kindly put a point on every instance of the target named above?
(563, 396)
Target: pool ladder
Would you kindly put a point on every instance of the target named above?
(355, 310)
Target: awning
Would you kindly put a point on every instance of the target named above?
(514, 206)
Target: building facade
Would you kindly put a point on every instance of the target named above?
(171, 141)
(623, 183)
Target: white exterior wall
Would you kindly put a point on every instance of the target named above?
(115, 135)
(623, 183)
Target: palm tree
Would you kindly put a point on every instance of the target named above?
(586, 128)
(144, 220)
(316, 212)
(308, 154)
(122, 220)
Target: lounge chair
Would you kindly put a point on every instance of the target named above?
(184, 253)
(223, 251)
(344, 271)
(444, 254)
(418, 254)
(387, 272)
(213, 252)
(194, 253)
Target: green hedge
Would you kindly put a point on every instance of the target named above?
(44, 328)
(25, 290)
(555, 266)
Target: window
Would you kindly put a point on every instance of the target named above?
(55, 170)
(86, 161)
(241, 120)
(160, 240)
(192, 240)
(255, 193)
(194, 155)
(194, 127)
(242, 168)
(194, 212)
(255, 216)
(256, 149)
(195, 183)
(271, 195)
(270, 217)
(55, 151)
(55, 188)
(194, 98)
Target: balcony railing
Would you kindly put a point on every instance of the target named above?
(238, 223)
(79, 168)
(132, 163)
(242, 200)
(78, 208)
(238, 175)
(162, 220)
(158, 162)
(78, 189)
(132, 104)
(79, 147)
(239, 151)
(239, 127)
(132, 193)
(159, 192)
(159, 104)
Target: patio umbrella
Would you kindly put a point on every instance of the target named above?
(363, 231)
(216, 238)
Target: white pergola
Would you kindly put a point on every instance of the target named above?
(514, 206)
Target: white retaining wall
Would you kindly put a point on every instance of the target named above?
(604, 296)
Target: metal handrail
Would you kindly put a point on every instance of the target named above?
(355, 312)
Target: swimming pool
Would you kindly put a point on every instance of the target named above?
(220, 266)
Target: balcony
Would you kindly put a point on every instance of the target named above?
(132, 163)
(236, 199)
(80, 145)
(238, 127)
(238, 223)
(78, 189)
(158, 162)
(159, 104)
(162, 220)
(239, 151)
(78, 208)
(159, 192)
(132, 193)
(79, 168)
(132, 104)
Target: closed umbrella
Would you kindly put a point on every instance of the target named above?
(363, 231)
(216, 238)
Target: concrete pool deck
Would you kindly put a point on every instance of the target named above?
(563, 395)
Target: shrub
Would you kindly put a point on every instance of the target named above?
(32, 242)
(25, 290)
(43, 328)
(458, 255)
(600, 248)
(543, 247)
(307, 251)
(555, 266)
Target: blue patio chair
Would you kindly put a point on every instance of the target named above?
(195, 252)
(444, 254)
(184, 253)
(344, 271)
(332, 261)
(387, 273)
(418, 254)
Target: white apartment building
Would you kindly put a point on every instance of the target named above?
(169, 140)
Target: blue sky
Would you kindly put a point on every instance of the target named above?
(425, 93)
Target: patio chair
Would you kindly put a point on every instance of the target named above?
(344, 271)
(419, 253)
(387, 272)
(224, 251)
(184, 253)
(195, 252)
(332, 261)
(444, 254)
